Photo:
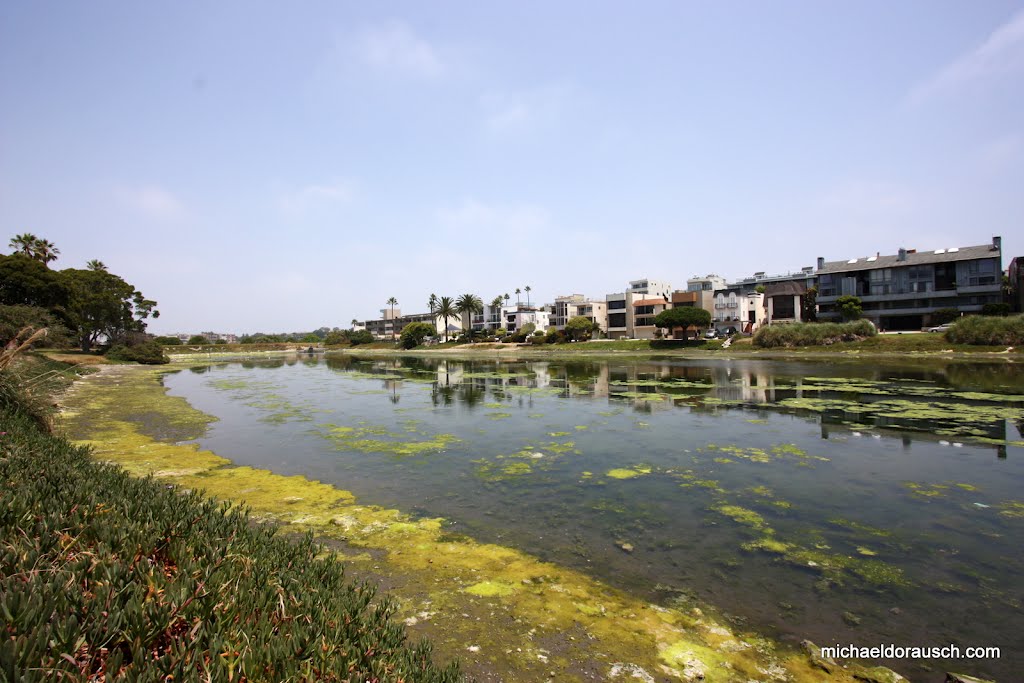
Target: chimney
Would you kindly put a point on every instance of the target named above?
(997, 243)
(902, 255)
(821, 262)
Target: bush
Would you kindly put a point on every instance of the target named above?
(987, 331)
(413, 334)
(168, 341)
(850, 307)
(944, 315)
(198, 339)
(360, 337)
(335, 338)
(995, 309)
(813, 334)
(146, 353)
(109, 577)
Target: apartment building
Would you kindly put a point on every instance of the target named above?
(568, 307)
(386, 325)
(735, 309)
(902, 291)
(620, 306)
(519, 315)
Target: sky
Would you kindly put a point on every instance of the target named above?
(267, 166)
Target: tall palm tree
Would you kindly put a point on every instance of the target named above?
(432, 303)
(392, 302)
(527, 290)
(445, 310)
(25, 243)
(517, 295)
(496, 308)
(354, 323)
(45, 251)
(96, 265)
(468, 304)
(507, 297)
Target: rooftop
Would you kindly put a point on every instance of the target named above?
(912, 257)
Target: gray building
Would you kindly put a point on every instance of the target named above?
(902, 291)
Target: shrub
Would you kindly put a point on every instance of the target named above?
(413, 334)
(813, 334)
(146, 353)
(995, 309)
(168, 341)
(850, 307)
(335, 338)
(13, 319)
(987, 331)
(945, 315)
(198, 339)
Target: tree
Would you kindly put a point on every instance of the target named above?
(468, 305)
(496, 307)
(335, 338)
(578, 327)
(360, 337)
(507, 297)
(413, 334)
(35, 248)
(684, 317)
(96, 264)
(849, 307)
(101, 304)
(445, 310)
(168, 341)
(27, 282)
(518, 291)
(311, 339)
(760, 289)
(198, 339)
(809, 305)
(45, 251)
(527, 290)
(432, 303)
(24, 243)
(392, 302)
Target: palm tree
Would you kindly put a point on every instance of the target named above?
(432, 303)
(24, 243)
(527, 290)
(354, 323)
(392, 302)
(496, 307)
(468, 304)
(507, 297)
(517, 295)
(45, 251)
(96, 265)
(445, 310)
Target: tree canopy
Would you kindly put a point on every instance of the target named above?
(684, 317)
(578, 327)
(101, 304)
(849, 307)
(413, 334)
(27, 282)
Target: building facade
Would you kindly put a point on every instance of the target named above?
(903, 291)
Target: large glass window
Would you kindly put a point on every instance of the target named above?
(618, 303)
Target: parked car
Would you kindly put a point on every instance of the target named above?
(711, 334)
(939, 328)
(731, 331)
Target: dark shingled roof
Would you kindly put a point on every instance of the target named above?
(916, 259)
(788, 288)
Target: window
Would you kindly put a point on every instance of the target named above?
(644, 310)
(616, 320)
(618, 303)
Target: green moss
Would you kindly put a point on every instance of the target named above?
(769, 544)
(491, 589)
(624, 473)
(741, 515)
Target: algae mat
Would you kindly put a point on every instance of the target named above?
(503, 613)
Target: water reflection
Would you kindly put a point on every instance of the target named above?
(853, 502)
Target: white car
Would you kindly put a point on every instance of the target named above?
(939, 328)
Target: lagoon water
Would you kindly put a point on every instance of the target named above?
(848, 503)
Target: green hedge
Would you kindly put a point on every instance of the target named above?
(812, 334)
(147, 353)
(987, 331)
(106, 575)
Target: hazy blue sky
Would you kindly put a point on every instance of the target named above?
(283, 166)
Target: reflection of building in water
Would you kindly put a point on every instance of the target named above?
(449, 374)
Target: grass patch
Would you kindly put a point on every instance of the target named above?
(812, 334)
